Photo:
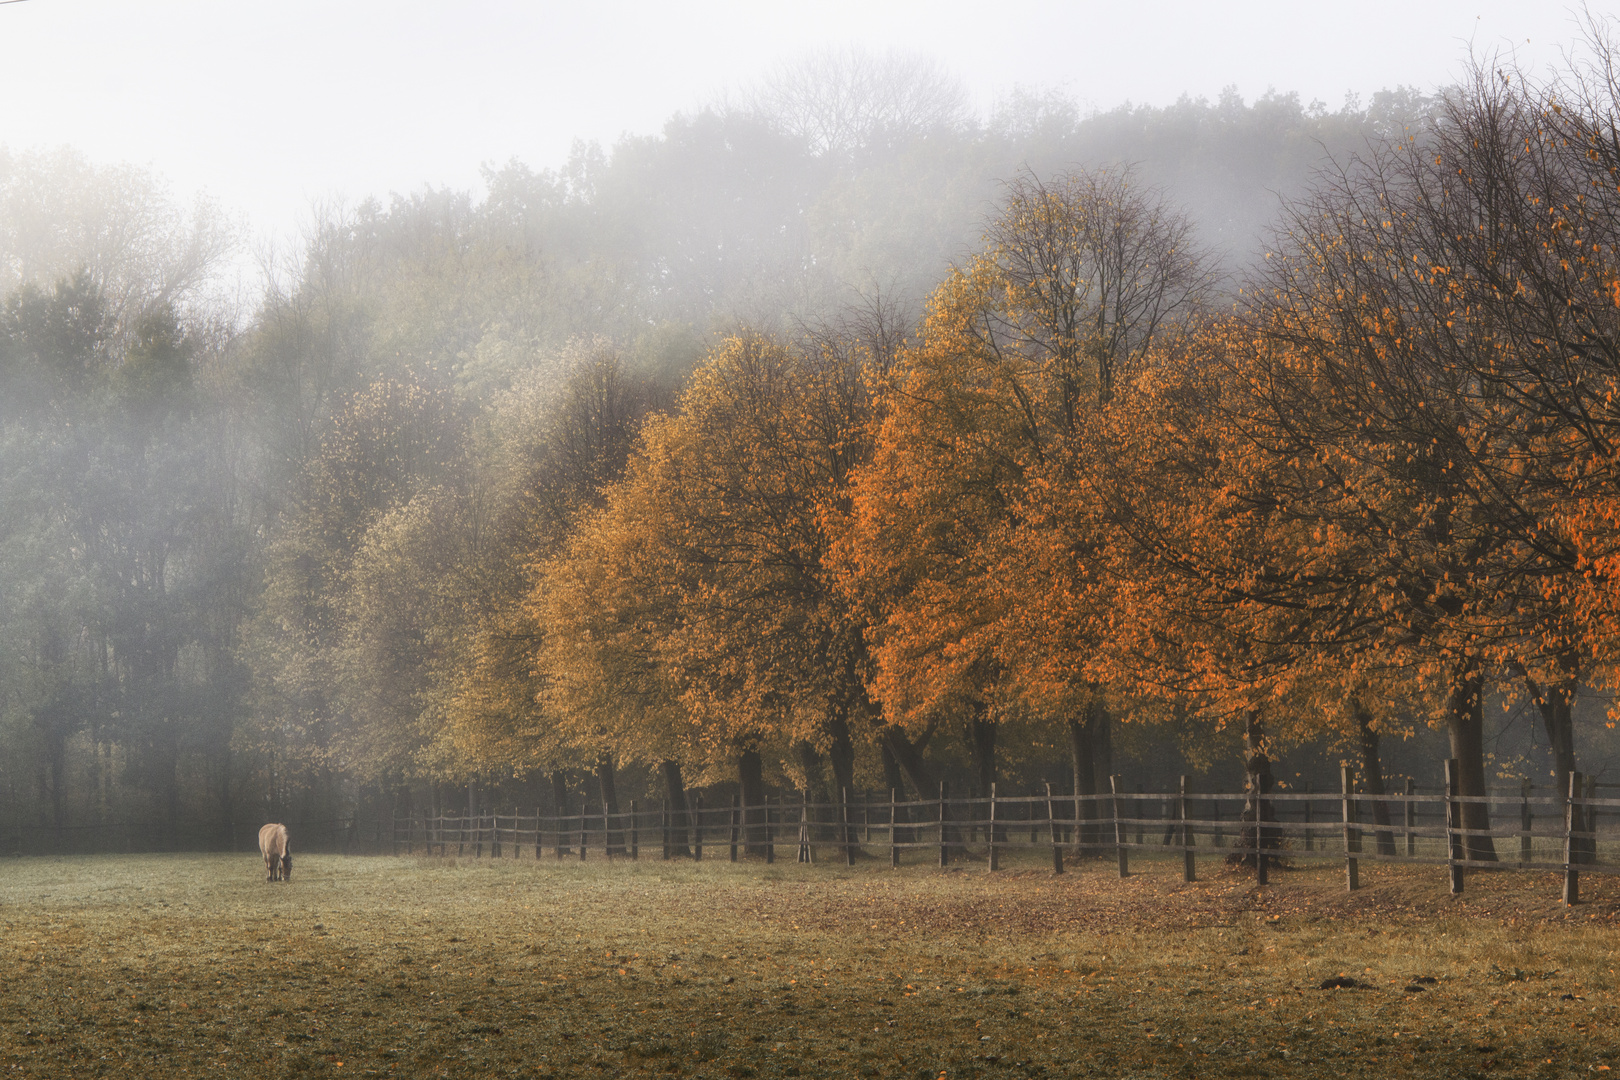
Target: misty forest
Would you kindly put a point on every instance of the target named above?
(834, 438)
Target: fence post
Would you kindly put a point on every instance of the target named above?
(894, 836)
(584, 825)
(995, 854)
(1140, 814)
(1260, 867)
(1078, 836)
(1589, 823)
(804, 824)
(1119, 828)
(1034, 822)
(1572, 817)
(944, 833)
(1310, 838)
(635, 831)
(1454, 838)
(847, 827)
(736, 821)
(1525, 820)
(1411, 819)
(1352, 838)
(697, 827)
(1057, 840)
(770, 833)
(1189, 871)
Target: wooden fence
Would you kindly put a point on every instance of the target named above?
(1528, 832)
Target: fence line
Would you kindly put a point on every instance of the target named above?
(1266, 827)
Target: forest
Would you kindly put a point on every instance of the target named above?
(834, 437)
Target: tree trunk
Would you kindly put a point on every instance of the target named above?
(841, 755)
(814, 788)
(1465, 723)
(675, 799)
(227, 817)
(614, 840)
(1083, 739)
(810, 765)
(751, 780)
(982, 745)
(1257, 810)
(1102, 747)
(58, 772)
(893, 778)
(1555, 703)
(559, 798)
(910, 761)
(1372, 772)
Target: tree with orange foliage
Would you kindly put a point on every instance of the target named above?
(970, 536)
(1242, 597)
(1386, 492)
(693, 616)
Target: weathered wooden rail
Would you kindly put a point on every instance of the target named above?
(1541, 833)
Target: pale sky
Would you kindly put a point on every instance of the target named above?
(270, 106)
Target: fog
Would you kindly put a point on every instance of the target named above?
(268, 107)
(353, 359)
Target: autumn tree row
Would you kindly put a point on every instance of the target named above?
(1380, 485)
(413, 524)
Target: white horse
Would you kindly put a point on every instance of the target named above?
(277, 852)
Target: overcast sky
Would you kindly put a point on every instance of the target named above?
(269, 105)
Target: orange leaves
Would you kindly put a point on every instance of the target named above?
(716, 540)
(976, 534)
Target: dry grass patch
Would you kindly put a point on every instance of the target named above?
(183, 965)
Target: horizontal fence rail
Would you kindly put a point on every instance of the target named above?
(1578, 833)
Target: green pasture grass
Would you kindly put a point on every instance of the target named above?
(181, 965)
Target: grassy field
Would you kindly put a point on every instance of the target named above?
(192, 965)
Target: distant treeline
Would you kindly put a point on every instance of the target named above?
(813, 446)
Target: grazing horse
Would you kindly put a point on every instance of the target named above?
(277, 853)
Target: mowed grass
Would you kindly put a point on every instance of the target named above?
(193, 965)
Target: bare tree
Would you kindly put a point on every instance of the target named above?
(1098, 267)
(60, 213)
(843, 100)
